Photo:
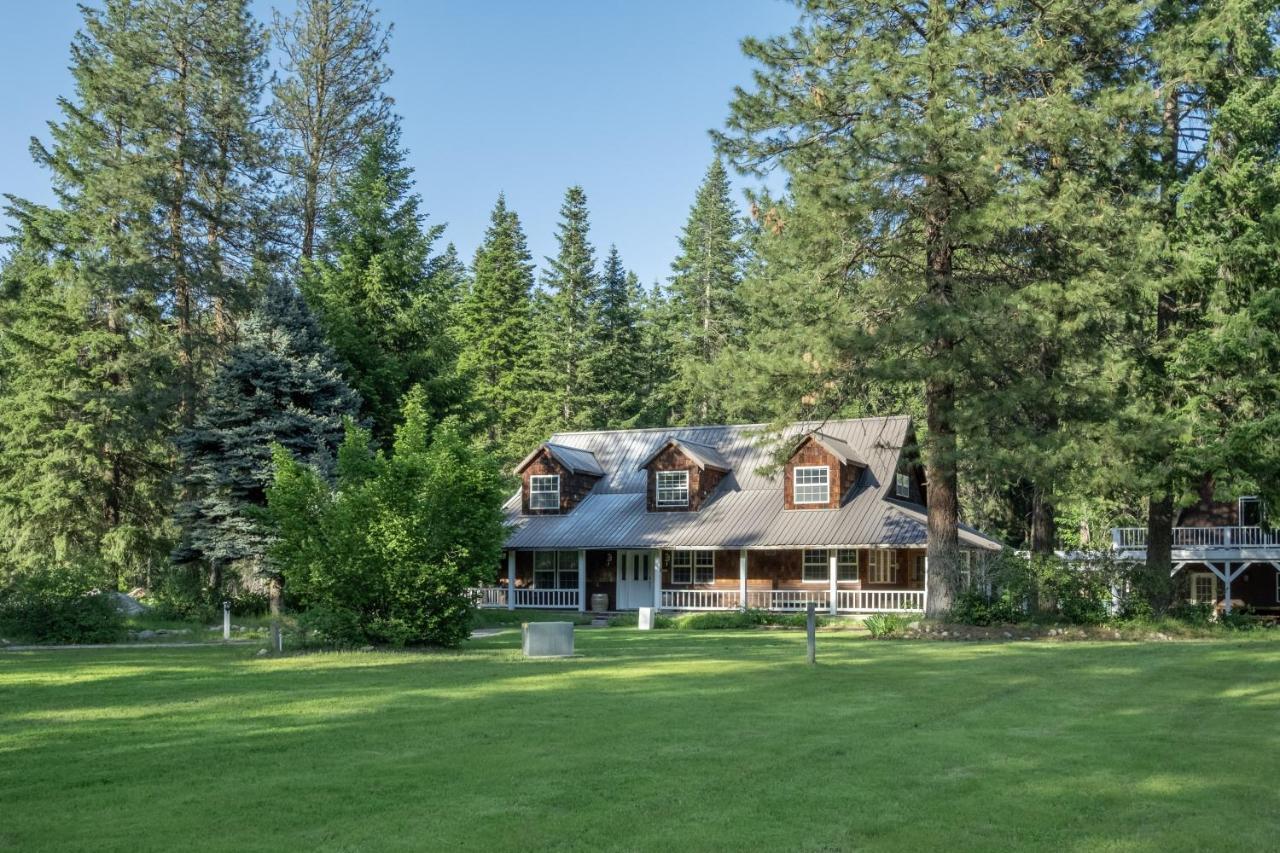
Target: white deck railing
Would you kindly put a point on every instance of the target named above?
(787, 600)
(701, 599)
(546, 599)
(880, 600)
(1135, 538)
(777, 600)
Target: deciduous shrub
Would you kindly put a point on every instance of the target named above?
(886, 625)
(398, 539)
(53, 607)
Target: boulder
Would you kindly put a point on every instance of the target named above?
(147, 634)
(126, 604)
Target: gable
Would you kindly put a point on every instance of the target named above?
(672, 457)
(574, 485)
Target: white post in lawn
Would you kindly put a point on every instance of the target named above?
(511, 580)
(924, 599)
(742, 579)
(226, 620)
(582, 580)
(657, 581)
(834, 563)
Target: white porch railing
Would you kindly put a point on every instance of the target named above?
(880, 601)
(545, 599)
(787, 600)
(1135, 538)
(701, 599)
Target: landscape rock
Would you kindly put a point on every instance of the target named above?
(367, 648)
(126, 604)
(146, 634)
(262, 653)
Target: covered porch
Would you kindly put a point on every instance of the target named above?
(866, 579)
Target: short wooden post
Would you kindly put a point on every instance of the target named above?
(226, 620)
(582, 580)
(811, 626)
(277, 636)
(742, 579)
(511, 580)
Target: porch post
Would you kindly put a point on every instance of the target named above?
(511, 580)
(742, 578)
(833, 560)
(582, 580)
(657, 580)
(925, 598)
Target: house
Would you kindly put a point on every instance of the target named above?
(1223, 553)
(708, 518)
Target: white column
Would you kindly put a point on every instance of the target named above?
(511, 580)
(657, 580)
(833, 558)
(742, 579)
(582, 580)
(924, 604)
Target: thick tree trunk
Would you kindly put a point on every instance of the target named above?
(1043, 527)
(1159, 566)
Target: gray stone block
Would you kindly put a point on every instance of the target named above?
(548, 639)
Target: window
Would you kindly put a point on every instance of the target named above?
(1204, 588)
(882, 566)
(693, 567)
(902, 485)
(555, 570)
(916, 574)
(811, 485)
(846, 565)
(544, 491)
(1250, 512)
(815, 567)
(673, 488)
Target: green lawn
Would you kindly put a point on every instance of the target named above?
(667, 740)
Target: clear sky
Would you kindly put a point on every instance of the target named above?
(521, 97)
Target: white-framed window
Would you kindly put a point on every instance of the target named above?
(555, 570)
(882, 566)
(814, 568)
(916, 573)
(693, 567)
(846, 565)
(902, 485)
(673, 488)
(1204, 588)
(544, 491)
(811, 484)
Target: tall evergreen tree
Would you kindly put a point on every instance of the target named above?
(705, 304)
(493, 327)
(905, 131)
(616, 356)
(329, 100)
(567, 323)
(278, 385)
(381, 296)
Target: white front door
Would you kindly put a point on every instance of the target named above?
(635, 579)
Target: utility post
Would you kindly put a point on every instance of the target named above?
(811, 626)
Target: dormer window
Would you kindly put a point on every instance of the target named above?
(812, 484)
(673, 488)
(902, 485)
(544, 491)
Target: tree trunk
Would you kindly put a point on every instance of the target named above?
(1043, 527)
(1159, 566)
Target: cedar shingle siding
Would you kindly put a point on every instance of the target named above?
(702, 482)
(573, 487)
(840, 476)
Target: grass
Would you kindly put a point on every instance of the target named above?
(658, 740)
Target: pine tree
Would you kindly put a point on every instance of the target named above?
(330, 99)
(382, 298)
(493, 327)
(566, 324)
(910, 135)
(278, 385)
(705, 305)
(615, 358)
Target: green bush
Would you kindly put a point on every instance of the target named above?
(54, 608)
(631, 620)
(887, 625)
(400, 537)
(974, 608)
(332, 626)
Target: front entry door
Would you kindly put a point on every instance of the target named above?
(635, 579)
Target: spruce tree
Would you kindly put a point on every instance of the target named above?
(566, 326)
(616, 358)
(493, 325)
(381, 296)
(279, 385)
(705, 304)
(330, 98)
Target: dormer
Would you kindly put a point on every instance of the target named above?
(555, 478)
(820, 472)
(682, 474)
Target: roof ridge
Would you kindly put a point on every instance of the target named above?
(670, 429)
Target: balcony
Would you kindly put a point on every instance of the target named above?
(1190, 543)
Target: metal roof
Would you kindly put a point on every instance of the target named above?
(703, 455)
(575, 459)
(842, 451)
(746, 509)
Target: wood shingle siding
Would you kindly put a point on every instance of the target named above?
(573, 486)
(841, 475)
(702, 481)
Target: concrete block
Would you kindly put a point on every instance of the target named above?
(645, 620)
(547, 639)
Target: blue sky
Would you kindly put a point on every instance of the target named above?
(521, 97)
